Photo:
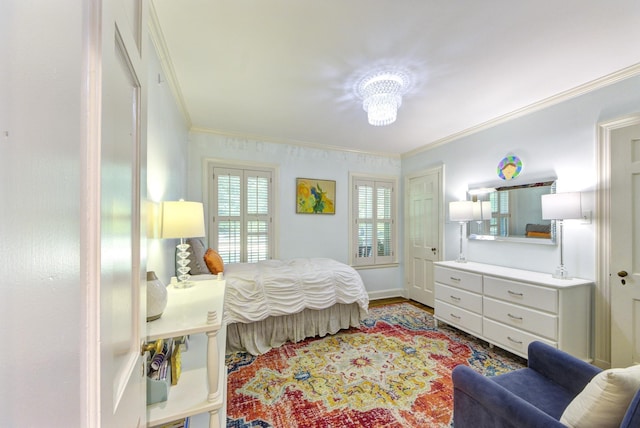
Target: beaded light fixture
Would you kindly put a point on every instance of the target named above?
(381, 92)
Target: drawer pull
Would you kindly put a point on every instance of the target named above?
(457, 299)
(455, 316)
(513, 293)
(519, 342)
(453, 278)
(513, 317)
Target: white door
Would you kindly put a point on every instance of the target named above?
(423, 236)
(119, 127)
(624, 273)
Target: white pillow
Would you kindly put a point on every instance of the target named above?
(605, 399)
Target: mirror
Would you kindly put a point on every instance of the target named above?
(511, 213)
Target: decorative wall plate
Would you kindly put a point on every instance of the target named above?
(509, 167)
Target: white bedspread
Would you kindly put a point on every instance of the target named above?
(256, 291)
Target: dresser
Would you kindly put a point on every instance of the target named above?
(511, 308)
(201, 390)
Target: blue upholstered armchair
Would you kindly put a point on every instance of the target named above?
(535, 396)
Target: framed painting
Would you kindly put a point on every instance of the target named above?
(315, 196)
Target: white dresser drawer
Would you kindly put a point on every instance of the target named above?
(461, 298)
(511, 339)
(518, 306)
(466, 280)
(544, 299)
(459, 317)
(536, 322)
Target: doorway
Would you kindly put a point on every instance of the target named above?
(617, 309)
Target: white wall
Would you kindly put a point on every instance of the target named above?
(41, 167)
(300, 235)
(557, 141)
(42, 164)
(167, 153)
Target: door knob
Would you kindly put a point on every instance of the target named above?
(622, 273)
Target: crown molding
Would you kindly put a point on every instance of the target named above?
(157, 38)
(593, 85)
(290, 142)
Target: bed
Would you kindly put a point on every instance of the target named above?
(271, 302)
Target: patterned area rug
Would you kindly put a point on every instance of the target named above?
(393, 371)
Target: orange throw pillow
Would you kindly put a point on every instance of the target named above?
(539, 235)
(214, 261)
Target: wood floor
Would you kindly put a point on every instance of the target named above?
(388, 301)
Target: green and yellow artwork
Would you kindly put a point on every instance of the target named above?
(315, 196)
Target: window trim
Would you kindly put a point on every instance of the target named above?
(386, 261)
(208, 191)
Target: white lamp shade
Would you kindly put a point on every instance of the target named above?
(561, 206)
(481, 210)
(182, 219)
(461, 211)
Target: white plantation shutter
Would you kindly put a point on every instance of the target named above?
(242, 214)
(258, 215)
(501, 216)
(374, 209)
(364, 222)
(384, 221)
(228, 215)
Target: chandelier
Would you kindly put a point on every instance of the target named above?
(381, 92)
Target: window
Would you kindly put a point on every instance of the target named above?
(373, 218)
(241, 227)
(499, 223)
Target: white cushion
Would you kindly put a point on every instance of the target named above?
(605, 399)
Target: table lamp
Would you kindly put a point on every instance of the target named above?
(182, 219)
(559, 207)
(462, 212)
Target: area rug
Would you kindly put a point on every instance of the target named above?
(393, 371)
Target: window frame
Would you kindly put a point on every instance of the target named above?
(372, 260)
(210, 189)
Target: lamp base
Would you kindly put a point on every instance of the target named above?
(184, 284)
(561, 273)
(461, 258)
(183, 263)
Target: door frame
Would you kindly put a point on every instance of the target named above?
(93, 410)
(602, 301)
(406, 247)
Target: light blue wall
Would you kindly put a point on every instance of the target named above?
(557, 141)
(301, 235)
(167, 136)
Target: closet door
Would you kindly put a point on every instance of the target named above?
(624, 269)
(423, 234)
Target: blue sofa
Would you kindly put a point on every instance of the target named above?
(532, 397)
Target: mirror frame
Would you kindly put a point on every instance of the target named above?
(476, 190)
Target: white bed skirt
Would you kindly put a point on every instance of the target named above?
(260, 336)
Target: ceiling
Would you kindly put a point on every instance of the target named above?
(285, 70)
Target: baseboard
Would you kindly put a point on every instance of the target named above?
(602, 364)
(386, 294)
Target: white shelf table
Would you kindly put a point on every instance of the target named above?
(198, 312)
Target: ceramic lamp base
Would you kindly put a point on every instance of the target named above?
(156, 297)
